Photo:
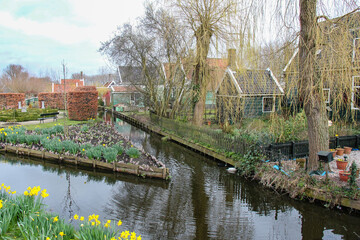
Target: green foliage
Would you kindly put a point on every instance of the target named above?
(37, 130)
(352, 177)
(100, 102)
(110, 154)
(133, 153)
(247, 163)
(84, 128)
(291, 129)
(119, 148)
(70, 146)
(97, 151)
(31, 139)
(21, 138)
(12, 138)
(18, 116)
(89, 153)
(85, 146)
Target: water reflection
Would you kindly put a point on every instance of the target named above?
(202, 201)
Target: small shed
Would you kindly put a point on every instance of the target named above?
(126, 95)
(247, 93)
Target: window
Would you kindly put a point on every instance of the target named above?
(355, 94)
(356, 50)
(326, 92)
(268, 104)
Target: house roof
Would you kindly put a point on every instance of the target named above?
(70, 85)
(107, 84)
(85, 89)
(256, 82)
(336, 42)
(216, 67)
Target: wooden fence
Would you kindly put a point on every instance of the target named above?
(291, 150)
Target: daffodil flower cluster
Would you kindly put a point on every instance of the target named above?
(35, 191)
(33, 215)
(6, 189)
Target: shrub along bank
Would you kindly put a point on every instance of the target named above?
(16, 115)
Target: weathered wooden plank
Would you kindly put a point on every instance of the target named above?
(118, 167)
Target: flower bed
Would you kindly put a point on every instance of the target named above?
(93, 144)
(24, 216)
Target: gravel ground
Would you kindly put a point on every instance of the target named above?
(353, 156)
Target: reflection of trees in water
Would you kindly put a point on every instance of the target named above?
(190, 209)
(315, 219)
(68, 201)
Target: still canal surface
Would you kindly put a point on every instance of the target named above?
(202, 200)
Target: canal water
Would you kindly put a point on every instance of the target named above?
(202, 200)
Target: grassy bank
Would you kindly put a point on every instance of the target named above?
(24, 216)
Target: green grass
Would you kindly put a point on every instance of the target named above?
(51, 124)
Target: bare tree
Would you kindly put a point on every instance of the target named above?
(206, 19)
(16, 79)
(65, 72)
(143, 49)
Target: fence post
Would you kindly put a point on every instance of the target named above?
(293, 149)
(270, 151)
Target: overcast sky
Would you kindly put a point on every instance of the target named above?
(39, 34)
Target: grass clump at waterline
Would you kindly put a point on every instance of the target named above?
(24, 216)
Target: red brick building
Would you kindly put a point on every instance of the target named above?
(69, 84)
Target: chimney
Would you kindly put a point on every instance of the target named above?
(232, 58)
(81, 75)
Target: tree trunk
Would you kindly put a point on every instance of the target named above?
(310, 83)
(200, 82)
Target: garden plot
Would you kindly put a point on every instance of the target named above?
(94, 141)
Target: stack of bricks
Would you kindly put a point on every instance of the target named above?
(82, 103)
(52, 100)
(11, 100)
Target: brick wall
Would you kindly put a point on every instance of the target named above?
(10, 100)
(82, 104)
(52, 100)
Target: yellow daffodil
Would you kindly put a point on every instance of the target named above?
(13, 192)
(44, 194)
(61, 234)
(139, 237)
(76, 217)
(1, 204)
(81, 218)
(26, 193)
(56, 219)
(106, 225)
(47, 238)
(119, 223)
